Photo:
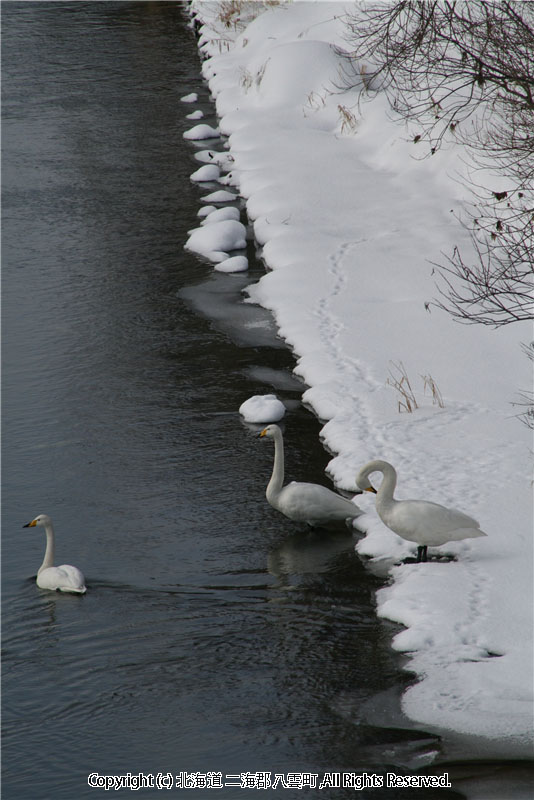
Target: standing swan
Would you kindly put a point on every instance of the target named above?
(303, 502)
(416, 520)
(64, 578)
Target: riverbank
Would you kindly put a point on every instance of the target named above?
(350, 219)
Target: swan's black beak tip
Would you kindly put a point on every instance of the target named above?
(27, 525)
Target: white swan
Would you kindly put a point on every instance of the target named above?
(303, 502)
(416, 520)
(64, 578)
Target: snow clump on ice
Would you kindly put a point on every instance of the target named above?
(222, 196)
(233, 264)
(215, 240)
(209, 172)
(219, 214)
(205, 211)
(223, 160)
(202, 131)
(262, 408)
(189, 98)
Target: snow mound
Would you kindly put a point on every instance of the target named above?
(313, 66)
(233, 264)
(205, 211)
(215, 240)
(202, 131)
(262, 408)
(209, 172)
(220, 214)
(195, 114)
(232, 179)
(222, 196)
(223, 160)
(189, 98)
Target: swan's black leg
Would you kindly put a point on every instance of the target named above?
(421, 553)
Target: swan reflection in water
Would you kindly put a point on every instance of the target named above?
(309, 553)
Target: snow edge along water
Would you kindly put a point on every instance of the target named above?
(348, 221)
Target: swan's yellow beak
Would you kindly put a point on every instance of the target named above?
(31, 524)
(263, 433)
(370, 489)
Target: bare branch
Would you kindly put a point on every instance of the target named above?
(465, 71)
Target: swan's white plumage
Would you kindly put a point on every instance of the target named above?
(64, 578)
(420, 521)
(303, 502)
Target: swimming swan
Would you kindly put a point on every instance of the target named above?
(64, 578)
(303, 502)
(416, 520)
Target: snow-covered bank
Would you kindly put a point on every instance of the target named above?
(349, 222)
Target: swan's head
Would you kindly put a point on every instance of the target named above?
(364, 483)
(378, 465)
(42, 519)
(270, 431)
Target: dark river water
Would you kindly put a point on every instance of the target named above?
(215, 635)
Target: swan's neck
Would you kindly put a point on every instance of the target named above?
(274, 487)
(384, 496)
(48, 560)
